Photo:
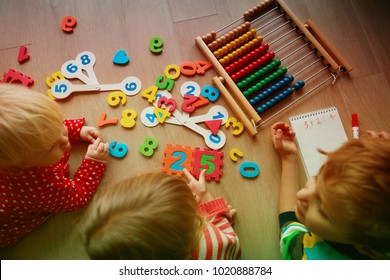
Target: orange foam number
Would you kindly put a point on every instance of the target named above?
(68, 23)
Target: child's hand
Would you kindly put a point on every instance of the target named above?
(283, 139)
(97, 150)
(232, 211)
(198, 188)
(381, 134)
(89, 134)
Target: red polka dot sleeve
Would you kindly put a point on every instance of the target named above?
(28, 196)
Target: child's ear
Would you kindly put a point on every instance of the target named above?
(371, 253)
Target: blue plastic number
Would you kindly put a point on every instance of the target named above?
(249, 169)
(72, 68)
(215, 138)
(60, 88)
(85, 59)
(131, 86)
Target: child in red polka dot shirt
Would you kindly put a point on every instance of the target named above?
(34, 170)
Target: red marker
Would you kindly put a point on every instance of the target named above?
(355, 126)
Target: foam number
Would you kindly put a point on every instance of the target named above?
(238, 126)
(249, 169)
(172, 68)
(115, 98)
(169, 103)
(68, 23)
(150, 93)
(189, 69)
(210, 93)
(103, 121)
(156, 45)
(161, 114)
(148, 146)
(234, 153)
(128, 118)
(167, 84)
(118, 150)
(49, 81)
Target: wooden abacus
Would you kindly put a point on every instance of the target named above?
(249, 73)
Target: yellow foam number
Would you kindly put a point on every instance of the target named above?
(234, 153)
(161, 114)
(49, 82)
(150, 93)
(116, 97)
(170, 68)
(128, 118)
(238, 126)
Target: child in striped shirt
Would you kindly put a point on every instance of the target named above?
(159, 216)
(343, 212)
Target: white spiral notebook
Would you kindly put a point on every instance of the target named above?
(318, 129)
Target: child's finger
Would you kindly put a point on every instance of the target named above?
(188, 175)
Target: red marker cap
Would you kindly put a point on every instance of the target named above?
(355, 120)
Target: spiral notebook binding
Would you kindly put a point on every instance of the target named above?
(313, 113)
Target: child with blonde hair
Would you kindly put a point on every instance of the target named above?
(34, 170)
(159, 216)
(343, 212)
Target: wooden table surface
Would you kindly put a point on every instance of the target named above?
(358, 29)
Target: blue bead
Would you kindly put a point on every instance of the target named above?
(289, 91)
(269, 104)
(298, 85)
(252, 101)
(290, 78)
(277, 98)
(260, 97)
(272, 101)
(265, 107)
(259, 110)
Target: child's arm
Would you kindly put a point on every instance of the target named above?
(283, 140)
(219, 241)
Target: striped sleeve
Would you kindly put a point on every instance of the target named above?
(291, 236)
(218, 241)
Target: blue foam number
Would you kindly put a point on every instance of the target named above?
(117, 150)
(249, 169)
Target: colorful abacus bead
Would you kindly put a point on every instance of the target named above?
(264, 107)
(298, 85)
(271, 90)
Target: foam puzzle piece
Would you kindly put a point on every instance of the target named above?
(176, 159)
(23, 56)
(121, 58)
(210, 160)
(12, 76)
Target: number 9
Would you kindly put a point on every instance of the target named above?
(117, 150)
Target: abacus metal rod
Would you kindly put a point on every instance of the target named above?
(263, 15)
(295, 101)
(228, 25)
(277, 28)
(271, 21)
(282, 36)
(240, 18)
(288, 44)
(295, 51)
(308, 66)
